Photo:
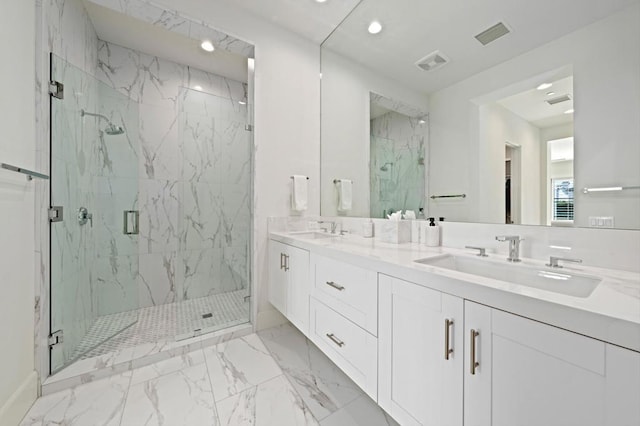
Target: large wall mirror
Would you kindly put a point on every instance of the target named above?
(495, 112)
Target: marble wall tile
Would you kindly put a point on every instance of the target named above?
(159, 202)
(159, 149)
(201, 162)
(202, 210)
(116, 283)
(157, 279)
(201, 272)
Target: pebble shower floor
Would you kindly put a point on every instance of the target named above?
(172, 321)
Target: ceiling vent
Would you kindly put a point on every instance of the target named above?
(558, 99)
(432, 61)
(492, 34)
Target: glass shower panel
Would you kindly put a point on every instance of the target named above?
(215, 213)
(94, 163)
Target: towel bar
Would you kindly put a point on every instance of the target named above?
(30, 173)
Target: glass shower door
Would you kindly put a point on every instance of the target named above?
(94, 180)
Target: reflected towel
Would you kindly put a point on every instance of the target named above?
(345, 195)
(299, 191)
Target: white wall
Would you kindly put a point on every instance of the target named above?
(18, 380)
(605, 60)
(287, 121)
(345, 126)
(499, 126)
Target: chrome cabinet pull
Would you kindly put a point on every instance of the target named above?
(334, 285)
(474, 364)
(335, 340)
(286, 262)
(448, 325)
(281, 260)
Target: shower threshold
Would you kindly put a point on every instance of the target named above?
(160, 332)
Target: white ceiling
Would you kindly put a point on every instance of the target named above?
(415, 28)
(532, 106)
(123, 30)
(308, 18)
(561, 149)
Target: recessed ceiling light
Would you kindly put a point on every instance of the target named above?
(375, 27)
(551, 93)
(198, 88)
(242, 102)
(569, 111)
(207, 46)
(321, 1)
(544, 86)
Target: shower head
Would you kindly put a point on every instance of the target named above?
(385, 167)
(111, 128)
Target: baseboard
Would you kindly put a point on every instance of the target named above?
(268, 319)
(20, 402)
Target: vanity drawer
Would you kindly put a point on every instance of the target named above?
(348, 289)
(350, 347)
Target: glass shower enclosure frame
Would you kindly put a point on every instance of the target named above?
(94, 220)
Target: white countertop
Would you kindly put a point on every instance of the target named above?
(611, 313)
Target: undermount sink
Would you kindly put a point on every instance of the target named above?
(312, 235)
(558, 281)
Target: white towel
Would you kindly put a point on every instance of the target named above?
(345, 195)
(299, 193)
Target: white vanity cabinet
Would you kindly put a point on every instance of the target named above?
(344, 318)
(289, 283)
(522, 372)
(421, 354)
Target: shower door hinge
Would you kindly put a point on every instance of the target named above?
(56, 89)
(248, 127)
(56, 213)
(56, 338)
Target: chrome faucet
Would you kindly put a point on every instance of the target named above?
(332, 226)
(553, 261)
(514, 246)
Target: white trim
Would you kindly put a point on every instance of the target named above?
(12, 412)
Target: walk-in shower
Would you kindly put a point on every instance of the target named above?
(154, 185)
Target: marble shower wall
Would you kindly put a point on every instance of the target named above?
(398, 163)
(193, 175)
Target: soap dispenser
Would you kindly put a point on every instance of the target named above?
(432, 233)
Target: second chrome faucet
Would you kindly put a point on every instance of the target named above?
(514, 246)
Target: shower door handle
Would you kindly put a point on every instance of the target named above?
(132, 216)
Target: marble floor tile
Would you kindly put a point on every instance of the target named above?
(322, 385)
(167, 366)
(361, 412)
(271, 403)
(180, 398)
(96, 403)
(239, 364)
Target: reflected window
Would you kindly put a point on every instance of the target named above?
(562, 201)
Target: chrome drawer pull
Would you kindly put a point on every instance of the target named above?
(334, 285)
(448, 325)
(335, 340)
(474, 364)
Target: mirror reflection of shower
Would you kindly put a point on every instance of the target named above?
(111, 129)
